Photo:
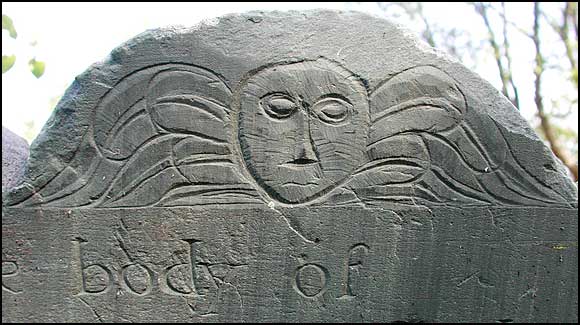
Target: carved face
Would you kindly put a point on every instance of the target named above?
(302, 128)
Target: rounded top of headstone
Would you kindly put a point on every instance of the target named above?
(286, 108)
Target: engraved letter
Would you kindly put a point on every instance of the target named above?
(174, 279)
(95, 278)
(9, 269)
(311, 280)
(137, 278)
(354, 263)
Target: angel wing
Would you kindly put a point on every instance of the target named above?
(160, 137)
(425, 145)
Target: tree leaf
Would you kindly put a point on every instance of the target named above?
(8, 25)
(36, 67)
(7, 62)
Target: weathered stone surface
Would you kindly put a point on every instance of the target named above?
(14, 155)
(302, 166)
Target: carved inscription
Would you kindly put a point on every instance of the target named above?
(311, 280)
(204, 286)
(95, 278)
(174, 282)
(357, 256)
(9, 270)
(137, 278)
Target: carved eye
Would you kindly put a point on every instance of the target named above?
(278, 105)
(332, 110)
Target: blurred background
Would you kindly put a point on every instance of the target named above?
(528, 51)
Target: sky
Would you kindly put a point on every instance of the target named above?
(69, 37)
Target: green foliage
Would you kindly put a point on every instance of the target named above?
(8, 25)
(7, 62)
(36, 67)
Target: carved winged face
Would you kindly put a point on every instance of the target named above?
(168, 137)
(302, 128)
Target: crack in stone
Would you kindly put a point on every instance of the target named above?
(122, 246)
(194, 312)
(92, 309)
(471, 276)
(271, 205)
(494, 222)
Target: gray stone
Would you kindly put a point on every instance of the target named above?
(299, 166)
(14, 156)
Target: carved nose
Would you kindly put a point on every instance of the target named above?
(304, 152)
(306, 156)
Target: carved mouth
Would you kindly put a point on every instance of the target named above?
(302, 162)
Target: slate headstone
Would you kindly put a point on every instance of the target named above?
(14, 155)
(288, 166)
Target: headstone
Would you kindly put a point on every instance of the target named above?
(288, 167)
(14, 155)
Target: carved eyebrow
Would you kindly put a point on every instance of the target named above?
(333, 95)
